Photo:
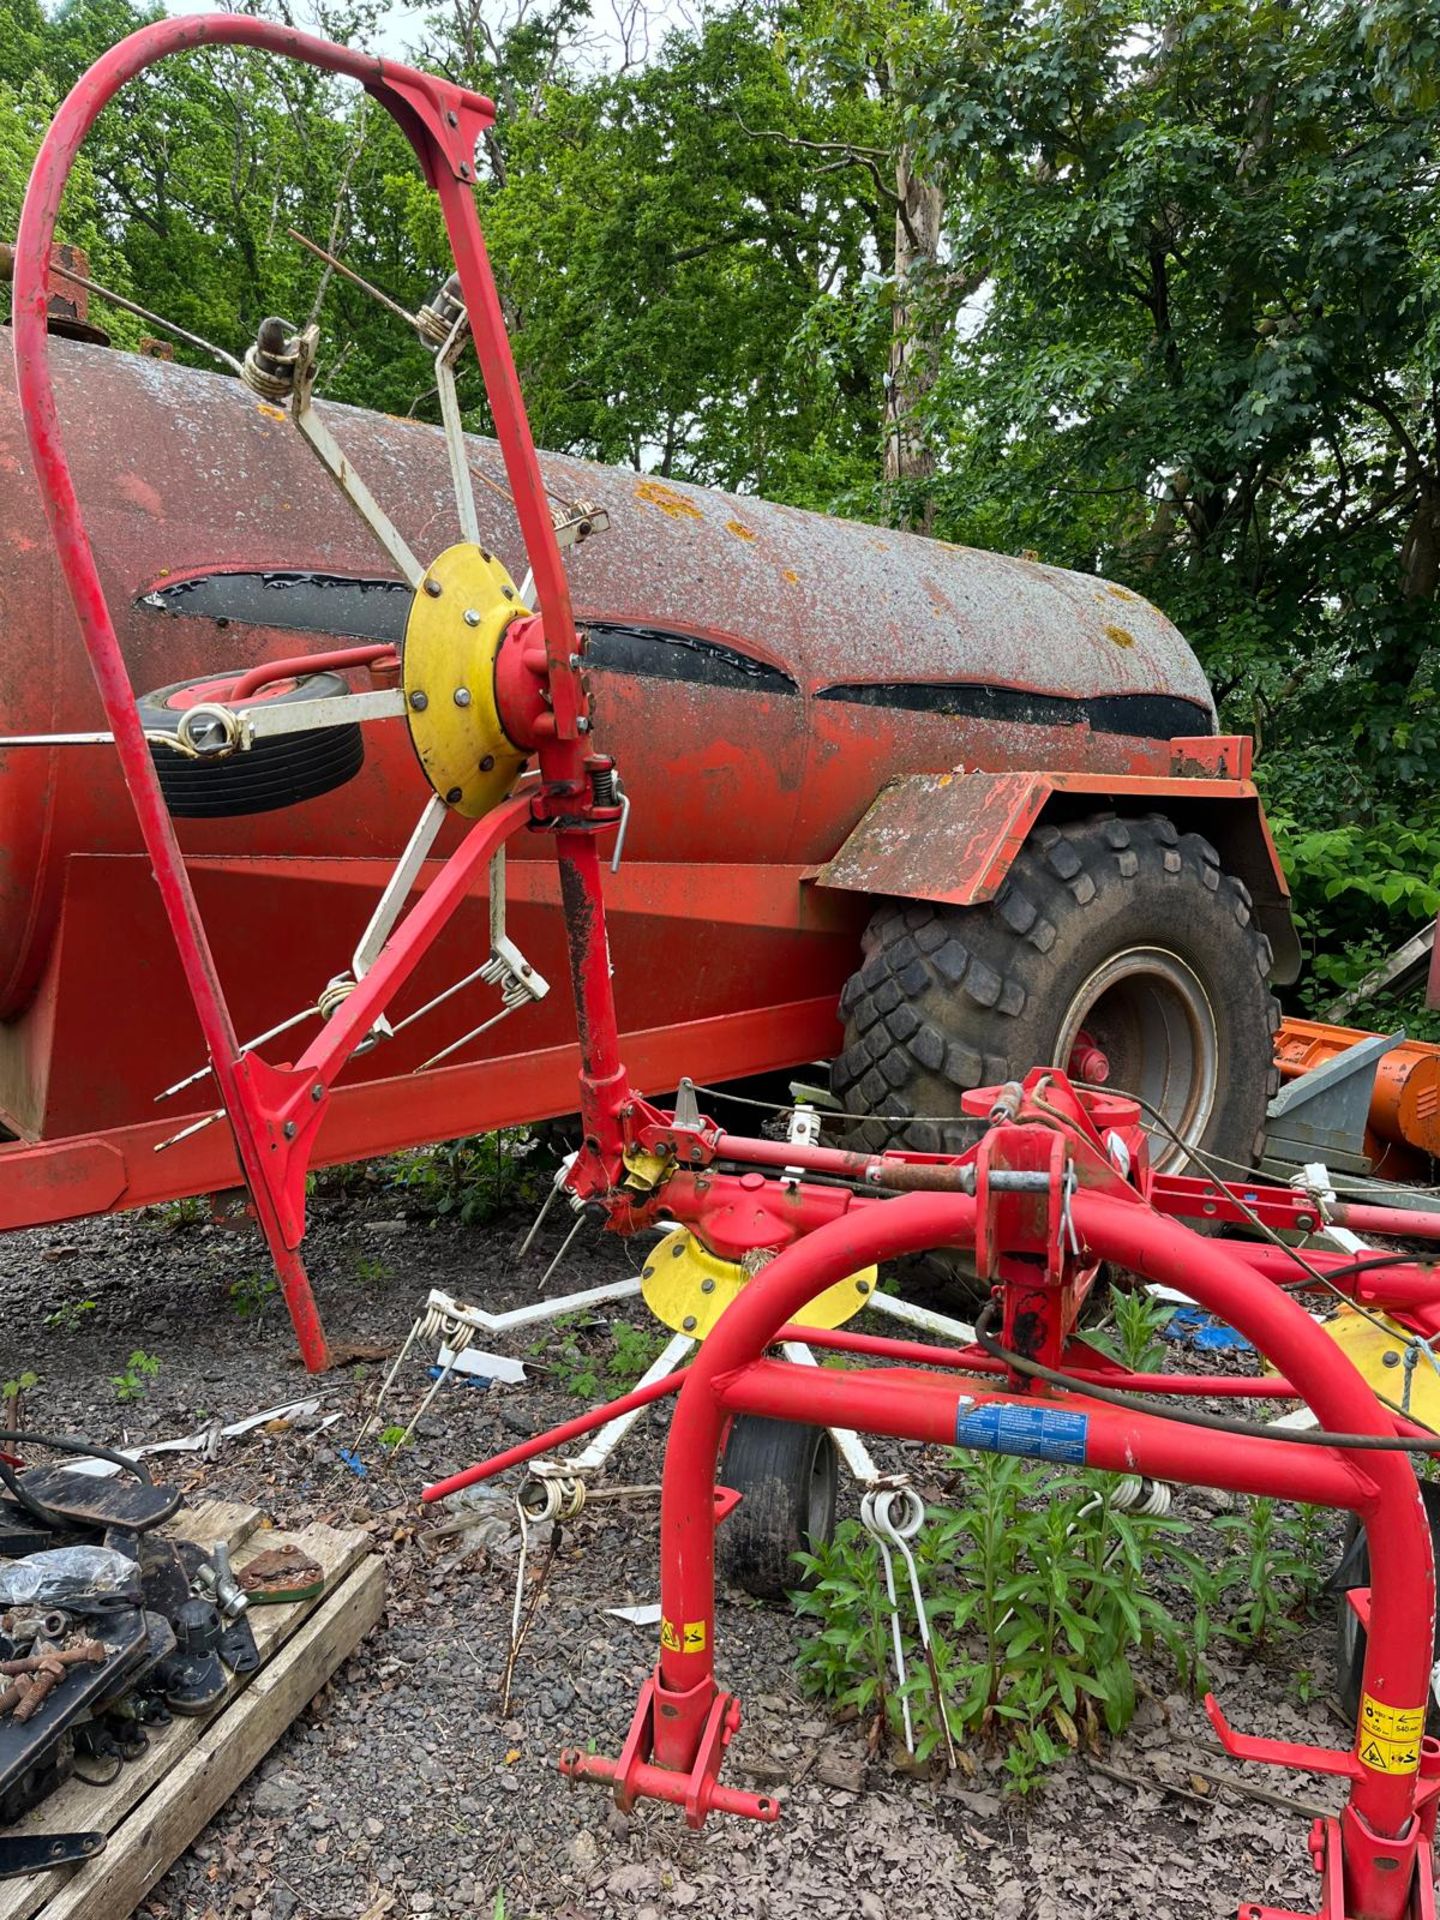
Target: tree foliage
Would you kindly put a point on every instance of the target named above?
(1148, 287)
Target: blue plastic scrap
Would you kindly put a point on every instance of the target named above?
(1202, 1331)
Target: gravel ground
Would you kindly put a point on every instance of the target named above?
(401, 1790)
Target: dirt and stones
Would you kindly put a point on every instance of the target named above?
(402, 1789)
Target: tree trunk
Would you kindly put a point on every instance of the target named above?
(1420, 555)
(914, 342)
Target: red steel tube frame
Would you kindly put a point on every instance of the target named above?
(443, 123)
(268, 671)
(730, 1374)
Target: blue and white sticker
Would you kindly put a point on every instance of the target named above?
(1038, 1433)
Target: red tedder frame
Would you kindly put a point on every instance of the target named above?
(1058, 1182)
(274, 1113)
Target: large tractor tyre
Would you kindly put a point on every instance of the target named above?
(1120, 935)
(278, 771)
(787, 1477)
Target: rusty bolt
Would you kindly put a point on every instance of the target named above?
(432, 587)
(419, 701)
(462, 696)
(472, 618)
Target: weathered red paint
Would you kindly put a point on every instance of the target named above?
(954, 836)
(184, 473)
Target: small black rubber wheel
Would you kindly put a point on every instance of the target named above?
(277, 772)
(1118, 934)
(1350, 1636)
(788, 1478)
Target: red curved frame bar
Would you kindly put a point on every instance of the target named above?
(274, 1113)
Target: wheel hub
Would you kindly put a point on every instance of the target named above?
(1146, 1018)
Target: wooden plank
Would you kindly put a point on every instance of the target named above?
(79, 1806)
(212, 1520)
(143, 1847)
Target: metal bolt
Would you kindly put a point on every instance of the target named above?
(862, 1286)
(464, 171)
(290, 1129)
(432, 587)
(1305, 1220)
(688, 1324)
(419, 701)
(707, 1286)
(472, 618)
(487, 763)
(647, 1273)
(582, 725)
(462, 696)
(1391, 1359)
(452, 119)
(677, 1250)
(508, 592)
(454, 795)
(317, 1092)
(574, 659)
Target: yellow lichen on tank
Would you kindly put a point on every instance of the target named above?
(1121, 593)
(789, 575)
(1122, 636)
(657, 494)
(740, 531)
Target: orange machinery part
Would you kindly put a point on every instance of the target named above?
(1404, 1125)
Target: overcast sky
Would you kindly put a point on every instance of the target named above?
(615, 24)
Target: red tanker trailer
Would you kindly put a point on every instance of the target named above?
(985, 793)
(947, 813)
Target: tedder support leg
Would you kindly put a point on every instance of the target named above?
(685, 1721)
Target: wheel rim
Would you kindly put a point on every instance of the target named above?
(819, 1499)
(1147, 1010)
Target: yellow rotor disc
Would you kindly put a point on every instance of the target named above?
(1379, 1355)
(687, 1288)
(457, 621)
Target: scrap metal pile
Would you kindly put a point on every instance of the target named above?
(107, 1629)
(1053, 1181)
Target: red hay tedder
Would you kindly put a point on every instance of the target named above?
(944, 816)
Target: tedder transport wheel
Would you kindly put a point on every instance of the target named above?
(1111, 937)
(1354, 1571)
(788, 1477)
(279, 771)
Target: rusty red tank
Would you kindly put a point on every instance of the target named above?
(760, 673)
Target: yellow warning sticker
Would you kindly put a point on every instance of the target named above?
(1389, 1756)
(692, 1640)
(1390, 1723)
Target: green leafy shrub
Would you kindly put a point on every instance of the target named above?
(1036, 1599)
(473, 1180)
